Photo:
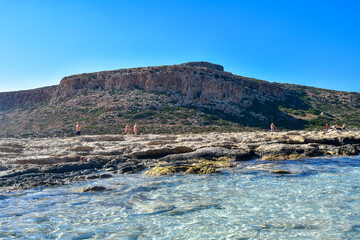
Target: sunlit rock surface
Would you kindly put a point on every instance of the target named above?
(26, 163)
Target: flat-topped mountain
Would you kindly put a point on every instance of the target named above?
(195, 96)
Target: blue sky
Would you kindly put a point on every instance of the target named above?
(314, 43)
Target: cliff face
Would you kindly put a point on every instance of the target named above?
(196, 84)
(26, 98)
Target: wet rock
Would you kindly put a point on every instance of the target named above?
(199, 166)
(278, 157)
(161, 152)
(280, 171)
(129, 168)
(159, 171)
(66, 167)
(346, 150)
(94, 189)
(99, 176)
(210, 153)
(94, 163)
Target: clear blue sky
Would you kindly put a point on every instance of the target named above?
(315, 43)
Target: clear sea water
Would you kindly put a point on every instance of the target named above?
(320, 200)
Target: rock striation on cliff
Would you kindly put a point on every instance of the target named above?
(197, 84)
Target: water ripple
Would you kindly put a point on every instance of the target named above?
(318, 199)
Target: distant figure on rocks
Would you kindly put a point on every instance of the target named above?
(337, 127)
(135, 129)
(78, 129)
(272, 127)
(326, 127)
(127, 129)
(344, 126)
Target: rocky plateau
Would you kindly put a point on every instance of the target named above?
(33, 162)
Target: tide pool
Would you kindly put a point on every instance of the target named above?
(320, 199)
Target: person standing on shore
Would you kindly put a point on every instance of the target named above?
(272, 127)
(344, 127)
(326, 127)
(135, 129)
(127, 129)
(78, 129)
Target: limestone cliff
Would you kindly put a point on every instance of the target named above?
(195, 84)
(26, 98)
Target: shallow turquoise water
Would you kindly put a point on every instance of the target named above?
(320, 200)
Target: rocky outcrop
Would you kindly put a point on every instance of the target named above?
(200, 84)
(26, 98)
(204, 64)
(197, 84)
(26, 163)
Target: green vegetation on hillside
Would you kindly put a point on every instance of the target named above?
(102, 111)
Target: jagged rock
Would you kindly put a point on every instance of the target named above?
(160, 152)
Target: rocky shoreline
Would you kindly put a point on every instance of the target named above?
(33, 162)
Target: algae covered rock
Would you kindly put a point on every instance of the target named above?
(208, 170)
(159, 171)
(200, 166)
(278, 157)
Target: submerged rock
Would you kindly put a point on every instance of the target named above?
(278, 157)
(280, 171)
(94, 189)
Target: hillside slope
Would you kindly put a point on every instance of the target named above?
(197, 97)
